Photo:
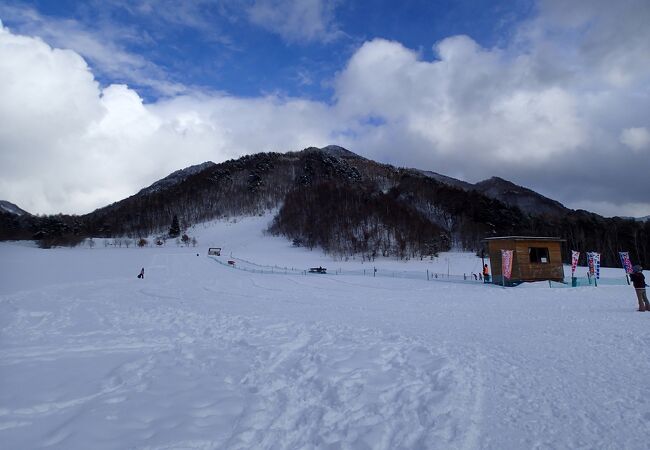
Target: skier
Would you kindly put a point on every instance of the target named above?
(141, 274)
(638, 280)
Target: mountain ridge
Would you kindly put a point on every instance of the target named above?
(508, 192)
(344, 203)
(11, 208)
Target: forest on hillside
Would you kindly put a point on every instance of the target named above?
(349, 220)
(341, 203)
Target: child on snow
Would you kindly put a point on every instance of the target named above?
(638, 280)
(486, 273)
(141, 274)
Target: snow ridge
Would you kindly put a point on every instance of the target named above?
(176, 177)
(10, 208)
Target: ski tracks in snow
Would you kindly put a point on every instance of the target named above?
(333, 387)
(156, 369)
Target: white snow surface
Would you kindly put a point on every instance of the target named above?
(202, 356)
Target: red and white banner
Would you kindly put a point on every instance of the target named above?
(506, 263)
(593, 260)
(574, 261)
(625, 261)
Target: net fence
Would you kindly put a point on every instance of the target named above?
(245, 265)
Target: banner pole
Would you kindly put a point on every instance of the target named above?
(503, 270)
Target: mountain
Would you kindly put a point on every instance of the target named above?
(507, 192)
(525, 199)
(176, 177)
(335, 150)
(346, 204)
(245, 186)
(10, 208)
(448, 180)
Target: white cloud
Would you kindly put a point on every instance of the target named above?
(637, 139)
(470, 103)
(296, 20)
(66, 145)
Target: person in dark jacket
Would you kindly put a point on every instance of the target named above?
(638, 280)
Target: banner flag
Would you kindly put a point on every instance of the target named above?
(590, 263)
(574, 261)
(506, 263)
(593, 259)
(625, 261)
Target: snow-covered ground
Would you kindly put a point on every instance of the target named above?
(200, 356)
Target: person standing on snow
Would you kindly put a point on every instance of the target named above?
(486, 273)
(638, 280)
(141, 274)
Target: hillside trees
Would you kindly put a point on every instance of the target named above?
(348, 219)
(467, 216)
(175, 228)
(364, 222)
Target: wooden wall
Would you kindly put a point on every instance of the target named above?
(522, 268)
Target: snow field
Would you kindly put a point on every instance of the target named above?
(201, 356)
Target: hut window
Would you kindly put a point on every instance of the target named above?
(538, 255)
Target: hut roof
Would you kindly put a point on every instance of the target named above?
(524, 238)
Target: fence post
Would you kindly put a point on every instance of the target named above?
(427, 274)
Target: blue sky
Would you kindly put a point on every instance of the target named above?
(224, 46)
(100, 98)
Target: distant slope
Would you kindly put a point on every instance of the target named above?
(8, 207)
(525, 199)
(176, 177)
(448, 180)
(507, 192)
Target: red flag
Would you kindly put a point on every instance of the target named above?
(574, 261)
(506, 263)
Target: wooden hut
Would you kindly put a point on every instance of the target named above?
(533, 259)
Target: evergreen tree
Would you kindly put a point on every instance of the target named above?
(175, 229)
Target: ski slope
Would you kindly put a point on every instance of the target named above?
(202, 356)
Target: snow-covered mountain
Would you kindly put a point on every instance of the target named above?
(525, 199)
(176, 177)
(507, 192)
(335, 199)
(8, 207)
(448, 180)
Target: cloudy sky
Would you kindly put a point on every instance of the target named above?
(100, 98)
